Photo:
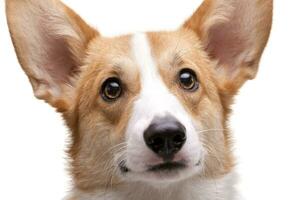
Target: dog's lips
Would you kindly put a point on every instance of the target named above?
(123, 167)
(163, 172)
(167, 167)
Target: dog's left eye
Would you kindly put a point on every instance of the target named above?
(111, 89)
(188, 80)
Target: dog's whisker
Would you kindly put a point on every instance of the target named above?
(212, 130)
(111, 150)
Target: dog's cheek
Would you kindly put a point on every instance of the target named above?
(215, 138)
(92, 165)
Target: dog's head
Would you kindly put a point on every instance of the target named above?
(148, 107)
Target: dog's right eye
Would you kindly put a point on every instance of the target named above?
(111, 89)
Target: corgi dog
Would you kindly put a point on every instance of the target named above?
(147, 112)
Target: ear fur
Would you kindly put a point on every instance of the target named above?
(50, 41)
(234, 33)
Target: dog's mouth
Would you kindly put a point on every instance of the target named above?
(168, 166)
(164, 172)
(123, 168)
(163, 167)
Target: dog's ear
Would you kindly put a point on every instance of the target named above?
(50, 41)
(234, 33)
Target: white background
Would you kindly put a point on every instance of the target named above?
(265, 121)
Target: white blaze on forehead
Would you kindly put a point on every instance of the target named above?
(155, 98)
(142, 55)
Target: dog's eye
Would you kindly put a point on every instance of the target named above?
(188, 80)
(111, 89)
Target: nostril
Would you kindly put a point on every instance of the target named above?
(178, 140)
(157, 143)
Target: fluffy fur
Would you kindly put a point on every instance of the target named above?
(67, 62)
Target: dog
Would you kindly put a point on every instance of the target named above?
(148, 112)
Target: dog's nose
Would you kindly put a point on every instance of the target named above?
(165, 136)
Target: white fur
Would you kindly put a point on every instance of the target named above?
(191, 189)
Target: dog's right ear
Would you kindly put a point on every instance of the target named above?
(50, 41)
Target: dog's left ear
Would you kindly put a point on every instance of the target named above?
(234, 33)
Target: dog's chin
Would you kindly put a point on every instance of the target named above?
(161, 174)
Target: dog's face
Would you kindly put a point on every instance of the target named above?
(151, 108)
(148, 107)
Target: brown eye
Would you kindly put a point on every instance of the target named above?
(111, 89)
(188, 80)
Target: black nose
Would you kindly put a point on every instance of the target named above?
(165, 136)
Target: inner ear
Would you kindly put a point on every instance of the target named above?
(51, 41)
(234, 33)
(60, 63)
(226, 45)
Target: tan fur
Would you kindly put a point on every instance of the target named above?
(97, 126)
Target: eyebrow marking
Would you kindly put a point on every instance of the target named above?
(177, 60)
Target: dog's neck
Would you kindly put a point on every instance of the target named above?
(193, 189)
